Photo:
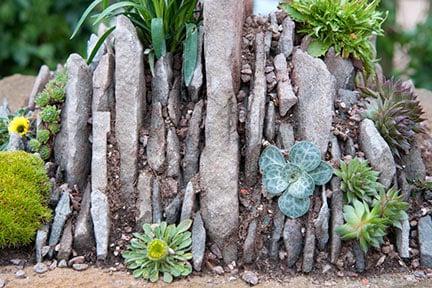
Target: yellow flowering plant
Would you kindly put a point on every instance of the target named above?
(19, 125)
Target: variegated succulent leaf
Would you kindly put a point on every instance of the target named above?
(271, 156)
(303, 187)
(293, 207)
(322, 174)
(305, 155)
(275, 180)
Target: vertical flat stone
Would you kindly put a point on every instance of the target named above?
(15, 142)
(192, 149)
(198, 242)
(402, 239)
(287, 98)
(130, 105)
(65, 247)
(174, 112)
(293, 240)
(144, 201)
(286, 40)
(103, 85)
(219, 163)
(360, 259)
(42, 79)
(425, 241)
(195, 87)
(162, 80)
(83, 233)
(309, 250)
(72, 145)
(278, 225)
(269, 129)
(413, 164)
(41, 241)
(172, 211)
(173, 154)
(377, 151)
(315, 85)
(101, 222)
(256, 113)
(156, 201)
(286, 136)
(156, 145)
(321, 223)
(62, 213)
(249, 244)
(336, 204)
(341, 69)
(188, 202)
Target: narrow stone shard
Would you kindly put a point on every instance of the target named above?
(249, 244)
(173, 154)
(62, 213)
(41, 241)
(286, 40)
(287, 98)
(309, 250)
(66, 241)
(42, 79)
(195, 87)
(156, 145)
(321, 223)
(278, 225)
(83, 233)
(402, 239)
(101, 222)
(425, 241)
(198, 241)
(103, 85)
(188, 202)
(341, 69)
(174, 112)
(144, 201)
(269, 130)
(162, 80)
(130, 105)
(156, 201)
(293, 240)
(101, 127)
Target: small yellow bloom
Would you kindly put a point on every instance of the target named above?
(20, 125)
(157, 250)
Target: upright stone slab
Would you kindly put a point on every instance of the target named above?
(83, 233)
(162, 80)
(72, 145)
(286, 40)
(130, 104)
(103, 84)
(144, 201)
(195, 86)
(341, 69)
(219, 163)
(156, 145)
(42, 79)
(192, 151)
(285, 92)
(425, 241)
(316, 94)
(256, 113)
(62, 213)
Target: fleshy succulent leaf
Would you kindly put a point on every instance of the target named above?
(302, 188)
(322, 174)
(305, 155)
(275, 180)
(271, 156)
(293, 207)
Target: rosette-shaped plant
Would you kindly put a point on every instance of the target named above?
(391, 207)
(363, 224)
(294, 179)
(160, 250)
(397, 115)
(359, 180)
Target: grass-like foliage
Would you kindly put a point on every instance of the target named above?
(397, 114)
(24, 193)
(161, 250)
(358, 180)
(294, 179)
(345, 25)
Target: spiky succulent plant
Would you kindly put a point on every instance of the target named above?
(160, 250)
(391, 207)
(358, 180)
(397, 115)
(363, 224)
(294, 179)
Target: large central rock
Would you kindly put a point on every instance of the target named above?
(130, 102)
(219, 163)
(316, 93)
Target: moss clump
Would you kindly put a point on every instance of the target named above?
(24, 194)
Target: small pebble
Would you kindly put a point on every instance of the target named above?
(53, 265)
(62, 264)
(80, 267)
(17, 262)
(250, 278)
(419, 274)
(20, 274)
(218, 270)
(76, 260)
(2, 283)
(40, 268)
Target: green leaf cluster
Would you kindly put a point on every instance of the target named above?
(345, 25)
(161, 250)
(358, 180)
(24, 194)
(294, 179)
(397, 114)
(4, 123)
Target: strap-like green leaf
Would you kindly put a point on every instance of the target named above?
(190, 53)
(84, 16)
(158, 37)
(99, 43)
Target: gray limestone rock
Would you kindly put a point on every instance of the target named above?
(174, 112)
(42, 79)
(286, 135)
(15, 142)
(377, 152)
(402, 239)
(41, 241)
(188, 202)
(341, 69)
(101, 222)
(103, 85)
(62, 213)
(309, 250)
(198, 242)
(348, 97)
(156, 145)
(162, 80)
(172, 211)
(173, 154)
(413, 164)
(144, 201)
(425, 241)
(196, 84)
(278, 226)
(65, 247)
(156, 201)
(286, 40)
(359, 255)
(269, 130)
(192, 149)
(293, 240)
(101, 127)
(249, 244)
(83, 233)
(321, 223)
(287, 98)
(315, 85)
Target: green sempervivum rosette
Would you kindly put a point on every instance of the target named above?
(294, 179)
(391, 207)
(363, 224)
(359, 180)
(161, 250)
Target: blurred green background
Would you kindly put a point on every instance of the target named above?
(36, 32)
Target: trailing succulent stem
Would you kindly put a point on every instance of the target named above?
(294, 179)
(161, 250)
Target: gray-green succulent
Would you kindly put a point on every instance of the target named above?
(296, 178)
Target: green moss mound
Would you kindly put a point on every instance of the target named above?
(24, 194)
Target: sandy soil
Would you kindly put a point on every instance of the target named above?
(98, 278)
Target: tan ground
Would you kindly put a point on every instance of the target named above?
(97, 278)
(17, 89)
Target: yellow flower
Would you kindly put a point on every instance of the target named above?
(20, 125)
(157, 250)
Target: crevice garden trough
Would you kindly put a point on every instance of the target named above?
(137, 147)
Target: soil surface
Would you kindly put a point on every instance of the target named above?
(16, 89)
(94, 277)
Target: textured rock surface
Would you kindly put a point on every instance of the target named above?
(42, 79)
(219, 163)
(65, 247)
(285, 136)
(286, 40)
(377, 152)
(269, 129)
(293, 240)
(173, 154)
(192, 151)
(130, 104)
(83, 233)
(341, 69)
(322, 223)
(195, 87)
(103, 84)
(256, 114)
(15, 142)
(156, 201)
(285, 92)
(62, 213)
(315, 85)
(101, 127)
(348, 97)
(249, 244)
(162, 80)
(425, 241)
(174, 106)
(309, 250)
(72, 145)
(278, 226)
(101, 222)
(402, 239)
(156, 144)
(359, 255)
(144, 204)
(414, 166)
(172, 211)
(188, 202)
(198, 242)
(41, 241)
(336, 205)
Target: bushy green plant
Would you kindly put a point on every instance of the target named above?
(345, 25)
(363, 224)
(24, 194)
(43, 136)
(295, 178)
(397, 115)
(358, 180)
(391, 207)
(161, 250)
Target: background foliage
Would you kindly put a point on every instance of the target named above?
(36, 32)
